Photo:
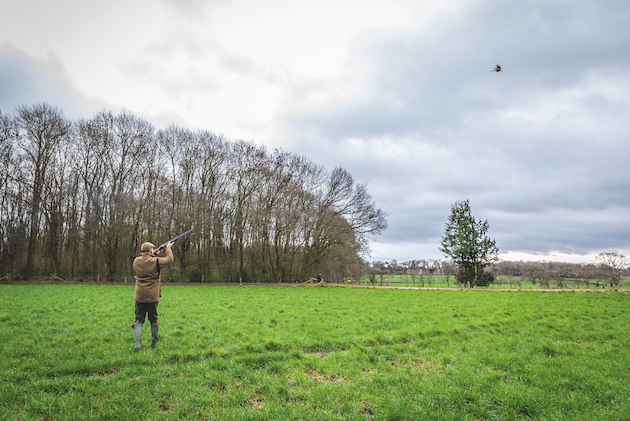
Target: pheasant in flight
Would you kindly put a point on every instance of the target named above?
(497, 69)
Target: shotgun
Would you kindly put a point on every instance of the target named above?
(159, 249)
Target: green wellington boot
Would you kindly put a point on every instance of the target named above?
(154, 334)
(138, 333)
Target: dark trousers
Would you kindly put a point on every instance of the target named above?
(143, 308)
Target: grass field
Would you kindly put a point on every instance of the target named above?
(286, 353)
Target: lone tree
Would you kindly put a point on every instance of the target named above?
(465, 241)
(611, 266)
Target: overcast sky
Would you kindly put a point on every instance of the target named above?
(401, 93)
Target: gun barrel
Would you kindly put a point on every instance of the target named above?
(176, 238)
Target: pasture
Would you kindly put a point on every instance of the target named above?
(299, 353)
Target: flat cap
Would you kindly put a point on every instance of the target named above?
(146, 246)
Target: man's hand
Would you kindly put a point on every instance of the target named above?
(157, 251)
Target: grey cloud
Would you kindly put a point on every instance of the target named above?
(195, 9)
(580, 231)
(541, 148)
(153, 67)
(246, 67)
(25, 80)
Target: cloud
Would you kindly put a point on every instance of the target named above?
(196, 10)
(539, 148)
(26, 80)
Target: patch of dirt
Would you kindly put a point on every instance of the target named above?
(256, 402)
(322, 378)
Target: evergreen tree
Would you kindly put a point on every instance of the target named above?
(466, 242)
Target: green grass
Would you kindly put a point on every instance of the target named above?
(285, 353)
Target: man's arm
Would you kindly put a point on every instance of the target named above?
(165, 261)
(157, 251)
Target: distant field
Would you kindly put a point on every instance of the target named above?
(287, 353)
(440, 281)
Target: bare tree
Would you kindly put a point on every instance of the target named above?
(181, 148)
(611, 266)
(211, 206)
(115, 151)
(245, 172)
(13, 220)
(55, 205)
(42, 130)
(90, 192)
(345, 215)
(536, 273)
(450, 269)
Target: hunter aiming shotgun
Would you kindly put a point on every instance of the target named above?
(146, 272)
(159, 249)
(146, 269)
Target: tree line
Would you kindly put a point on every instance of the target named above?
(607, 269)
(78, 197)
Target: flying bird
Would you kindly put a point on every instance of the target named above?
(496, 69)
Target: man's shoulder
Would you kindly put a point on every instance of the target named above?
(145, 257)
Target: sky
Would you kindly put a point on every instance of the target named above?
(401, 93)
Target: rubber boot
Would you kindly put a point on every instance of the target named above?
(138, 332)
(154, 334)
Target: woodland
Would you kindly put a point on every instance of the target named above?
(79, 197)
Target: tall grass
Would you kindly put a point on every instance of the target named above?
(314, 354)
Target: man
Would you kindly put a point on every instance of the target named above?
(146, 268)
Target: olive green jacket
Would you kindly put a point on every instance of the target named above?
(146, 269)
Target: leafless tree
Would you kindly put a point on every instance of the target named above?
(611, 266)
(211, 208)
(182, 150)
(536, 273)
(55, 206)
(92, 191)
(345, 216)
(13, 220)
(114, 154)
(42, 129)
